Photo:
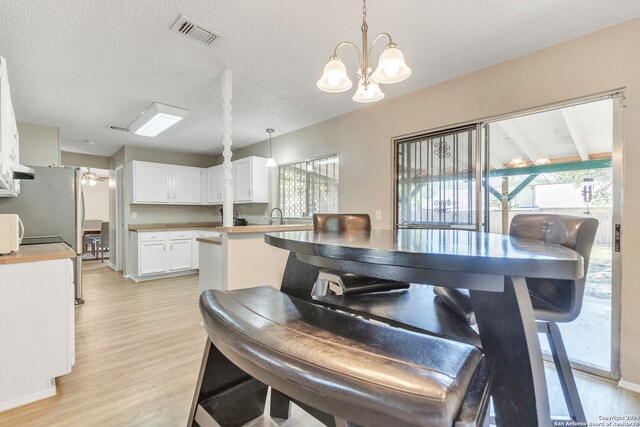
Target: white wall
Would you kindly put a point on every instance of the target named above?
(603, 61)
(96, 200)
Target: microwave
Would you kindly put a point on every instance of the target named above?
(11, 233)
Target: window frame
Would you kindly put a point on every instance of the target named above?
(307, 161)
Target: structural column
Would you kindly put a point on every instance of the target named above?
(227, 195)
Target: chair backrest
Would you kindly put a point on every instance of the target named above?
(577, 233)
(92, 224)
(104, 234)
(341, 222)
(299, 278)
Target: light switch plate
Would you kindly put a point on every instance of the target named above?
(378, 214)
(134, 215)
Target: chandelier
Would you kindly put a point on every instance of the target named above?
(391, 68)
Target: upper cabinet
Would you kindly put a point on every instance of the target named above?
(251, 180)
(9, 140)
(151, 183)
(159, 183)
(214, 185)
(187, 185)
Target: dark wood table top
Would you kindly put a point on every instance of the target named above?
(446, 250)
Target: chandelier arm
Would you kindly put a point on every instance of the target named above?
(335, 51)
(378, 37)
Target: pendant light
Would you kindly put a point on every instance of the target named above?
(271, 163)
(391, 67)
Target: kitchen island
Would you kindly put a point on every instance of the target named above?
(36, 322)
(240, 258)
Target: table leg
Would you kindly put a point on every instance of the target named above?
(509, 334)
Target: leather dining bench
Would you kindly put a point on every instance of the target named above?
(342, 369)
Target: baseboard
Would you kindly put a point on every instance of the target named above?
(39, 395)
(629, 386)
(112, 266)
(161, 276)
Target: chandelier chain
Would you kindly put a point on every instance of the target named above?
(364, 10)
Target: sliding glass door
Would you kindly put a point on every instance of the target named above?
(562, 161)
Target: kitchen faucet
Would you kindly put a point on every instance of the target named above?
(271, 216)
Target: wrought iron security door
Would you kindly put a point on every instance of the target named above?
(436, 180)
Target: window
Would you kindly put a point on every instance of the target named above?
(309, 187)
(436, 180)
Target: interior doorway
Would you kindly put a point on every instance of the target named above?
(566, 161)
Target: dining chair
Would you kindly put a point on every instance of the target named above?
(553, 300)
(103, 243)
(348, 283)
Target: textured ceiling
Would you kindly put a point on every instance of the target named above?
(82, 65)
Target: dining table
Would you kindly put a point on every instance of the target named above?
(493, 267)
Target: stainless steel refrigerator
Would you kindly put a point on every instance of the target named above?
(52, 204)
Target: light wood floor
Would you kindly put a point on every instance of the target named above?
(138, 351)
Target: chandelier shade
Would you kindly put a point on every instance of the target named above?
(334, 78)
(391, 66)
(371, 93)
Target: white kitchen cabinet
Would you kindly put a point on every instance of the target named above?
(159, 183)
(152, 257)
(9, 138)
(159, 253)
(151, 183)
(37, 329)
(251, 180)
(187, 185)
(180, 253)
(242, 180)
(214, 185)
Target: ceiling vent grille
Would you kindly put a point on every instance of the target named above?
(195, 31)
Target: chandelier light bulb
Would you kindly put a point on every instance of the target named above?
(92, 182)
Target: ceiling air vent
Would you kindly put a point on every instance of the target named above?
(192, 29)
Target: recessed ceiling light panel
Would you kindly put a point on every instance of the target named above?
(156, 119)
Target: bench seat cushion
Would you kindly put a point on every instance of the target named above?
(368, 373)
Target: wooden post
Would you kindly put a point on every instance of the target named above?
(505, 205)
(227, 196)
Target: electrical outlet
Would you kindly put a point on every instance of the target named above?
(378, 215)
(134, 215)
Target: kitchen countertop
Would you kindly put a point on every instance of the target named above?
(34, 253)
(211, 240)
(265, 228)
(174, 226)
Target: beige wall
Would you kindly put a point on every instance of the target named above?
(599, 62)
(96, 201)
(160, 213)
(39, 145)
(85, 160)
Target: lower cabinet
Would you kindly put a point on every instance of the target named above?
(165, 252)
(180, 255)
(36, 329)
(151, 258)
